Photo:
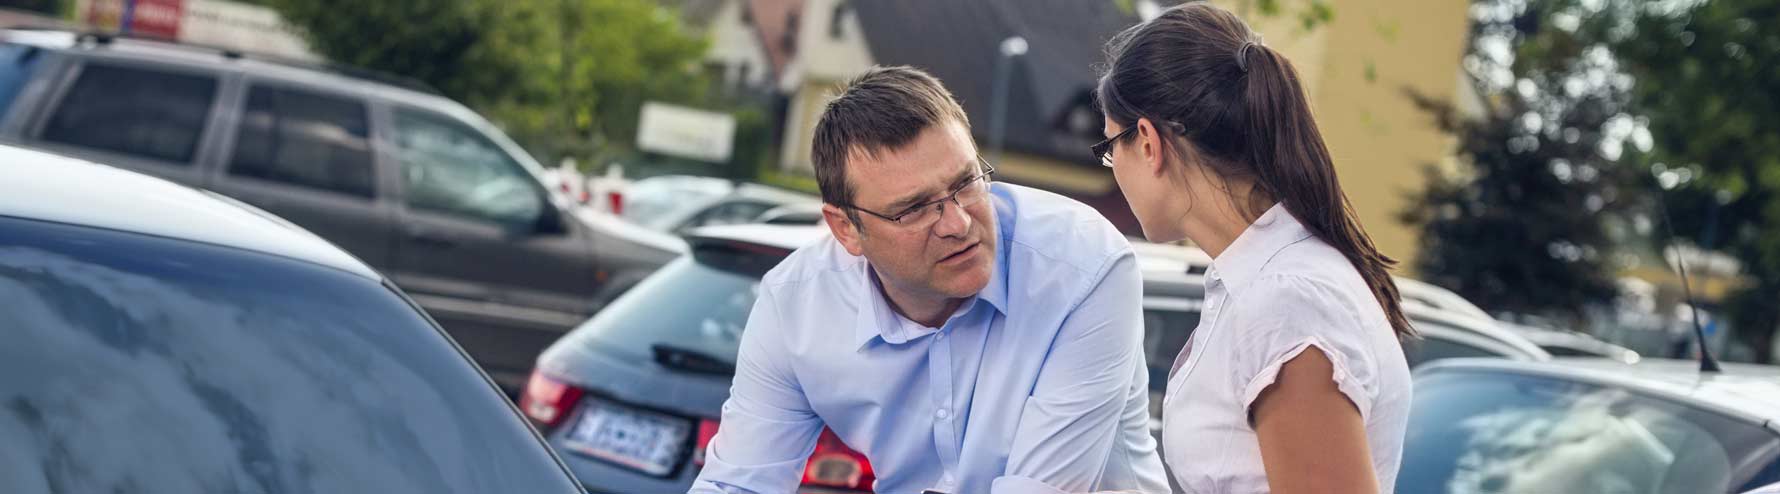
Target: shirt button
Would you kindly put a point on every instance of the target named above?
(942, 414)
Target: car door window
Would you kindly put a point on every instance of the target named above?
(17, 64)
(140, 112)
(306, 139)
(450, 168)
(1435, 347)
(1165, 333)
(731, 213)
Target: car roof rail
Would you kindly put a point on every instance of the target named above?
(106, 38)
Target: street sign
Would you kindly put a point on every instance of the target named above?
(686, 132)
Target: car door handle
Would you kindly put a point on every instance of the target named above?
(428, 238)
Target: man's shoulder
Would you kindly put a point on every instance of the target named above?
(1057, 229)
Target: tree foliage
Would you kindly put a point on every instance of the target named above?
(1524, 227)
(564, 77)
(1708, 78)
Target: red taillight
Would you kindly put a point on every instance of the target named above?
(832, 465)
(835, 465)
(548, 401)
(707, 429)
(616, 200)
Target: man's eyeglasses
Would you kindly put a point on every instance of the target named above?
(1104, 148)
(925, 214)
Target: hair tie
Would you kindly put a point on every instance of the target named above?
(1242, 55)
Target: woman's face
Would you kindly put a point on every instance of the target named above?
(1159, 203)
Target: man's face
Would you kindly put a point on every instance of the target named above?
(953, 256)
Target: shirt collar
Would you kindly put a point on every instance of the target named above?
(876, 319)
(1257, 245)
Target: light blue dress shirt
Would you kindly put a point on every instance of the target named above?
(1037, 385)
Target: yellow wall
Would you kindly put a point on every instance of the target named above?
(1357, 69)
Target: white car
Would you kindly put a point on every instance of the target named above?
(1583, 426)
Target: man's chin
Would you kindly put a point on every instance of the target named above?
(966, 284)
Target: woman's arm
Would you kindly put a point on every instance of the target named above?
(1312, 437)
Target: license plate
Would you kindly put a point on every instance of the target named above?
(645, 441)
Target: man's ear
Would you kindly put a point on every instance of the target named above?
(843, 228)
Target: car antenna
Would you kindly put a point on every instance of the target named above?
(1707, 363)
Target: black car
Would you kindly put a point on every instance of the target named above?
(156, 338)
(415, 185)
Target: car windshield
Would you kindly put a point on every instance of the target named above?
(143, 364)
(1478, 432)
(659, 204)
(697, 306)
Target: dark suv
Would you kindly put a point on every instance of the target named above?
(412, 183)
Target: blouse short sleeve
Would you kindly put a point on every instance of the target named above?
(1279, 317)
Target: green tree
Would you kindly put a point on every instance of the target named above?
(1525, 226)
(563, 77)
(1708, 79)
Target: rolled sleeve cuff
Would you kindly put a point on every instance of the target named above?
(1014, 484)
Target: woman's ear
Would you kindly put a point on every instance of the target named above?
(1151, 146)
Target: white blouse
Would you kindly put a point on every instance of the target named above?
(1275, 292)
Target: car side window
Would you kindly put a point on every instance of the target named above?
(450, 168)
(729, 214)
(148, 113)
(1165, 332)
(1433, 347)
(307, 139)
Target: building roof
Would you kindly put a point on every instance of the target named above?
(58, 189)
(959, 42)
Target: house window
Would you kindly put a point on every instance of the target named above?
(837, 22)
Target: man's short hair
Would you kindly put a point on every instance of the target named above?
(883, 109)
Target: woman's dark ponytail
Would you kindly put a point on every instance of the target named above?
(1292, 163)
(1242, 106)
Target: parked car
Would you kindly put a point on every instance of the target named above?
(1564, 343)
(1426, 294)
(679, 203)
(663, 366)
(1582, 426)
(792, 214)
(159, 338)
(412, 183)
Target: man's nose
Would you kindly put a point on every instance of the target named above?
(954, 221)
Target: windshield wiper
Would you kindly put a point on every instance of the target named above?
(691, 361)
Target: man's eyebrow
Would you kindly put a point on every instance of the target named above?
(922, 196)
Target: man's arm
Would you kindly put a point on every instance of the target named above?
(1071, 422)
(768, 430)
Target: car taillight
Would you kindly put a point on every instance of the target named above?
(548, 401)
(616, 200)
(833, 465)
(707, 429)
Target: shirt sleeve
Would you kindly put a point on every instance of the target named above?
(768, 430)
(1283, 316)
(1071, 422)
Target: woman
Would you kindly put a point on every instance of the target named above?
(1294, 380)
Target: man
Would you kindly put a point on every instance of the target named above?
(965, 337)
